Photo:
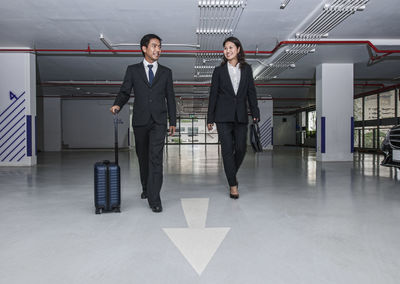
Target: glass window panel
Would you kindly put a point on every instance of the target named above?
(357, 109)
(200, 124)
(186, 138)
(369, 137)
(356, 137)
(212, 138)
(173, 139)
(370, 107)
(358, 132)
(387, 104)
(303, 119)
(312, 116)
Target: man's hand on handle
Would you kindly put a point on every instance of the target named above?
(115, 109)
(172, 130)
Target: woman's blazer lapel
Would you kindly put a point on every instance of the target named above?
(228, 78)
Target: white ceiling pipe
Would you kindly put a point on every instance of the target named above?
(224, 25)
(330, 16)
(327, 17)
(284, 4)
(331, 26)
(339, 17)
(106, 42)
(164, 44)
(314, 22)
(237, 20)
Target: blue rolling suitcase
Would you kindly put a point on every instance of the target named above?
(107, 181)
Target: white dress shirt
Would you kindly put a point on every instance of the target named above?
(234, 73)
(146, 68)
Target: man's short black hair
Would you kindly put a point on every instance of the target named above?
(146, 39)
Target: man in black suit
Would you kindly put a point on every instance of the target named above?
(154, 96)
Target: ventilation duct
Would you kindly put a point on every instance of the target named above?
(218, 20)
(331, 16)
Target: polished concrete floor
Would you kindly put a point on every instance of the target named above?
(297, 221)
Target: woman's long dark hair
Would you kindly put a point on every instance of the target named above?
(240, 55)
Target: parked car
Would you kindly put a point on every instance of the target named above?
(391, 148)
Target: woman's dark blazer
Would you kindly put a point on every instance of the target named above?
(223, 104)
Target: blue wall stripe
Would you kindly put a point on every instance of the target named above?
(352, 134)
(13, 150)
(12, 104)
(12, 142)
(322, 134)
(12, 119)
(29, 135)
(265, 132)
(17, 154)
(21, 157)
(12, 127)
(4, 119)
(12, 135)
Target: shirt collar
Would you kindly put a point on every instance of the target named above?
(145, 63)
(234, 67)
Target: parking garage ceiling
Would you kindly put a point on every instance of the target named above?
(286, 73)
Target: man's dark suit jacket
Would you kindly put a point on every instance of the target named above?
(150, 101)
(223, 104)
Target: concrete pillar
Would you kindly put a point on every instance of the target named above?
(334, 99)
(266, 123)
(17, 109)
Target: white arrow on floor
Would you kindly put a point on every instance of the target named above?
(197, 243)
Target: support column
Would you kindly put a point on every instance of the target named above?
(334, 99)
(266, 123)
(17, 109)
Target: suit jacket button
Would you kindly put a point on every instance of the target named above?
(150, 101)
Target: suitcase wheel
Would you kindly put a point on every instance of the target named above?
(117, 210)
(98, 210)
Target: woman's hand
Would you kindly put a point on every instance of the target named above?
(115, 109)
(210, 126)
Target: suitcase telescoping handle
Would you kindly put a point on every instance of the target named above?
(116, 136)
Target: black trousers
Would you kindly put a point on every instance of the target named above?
(149, 141)
(233, 138)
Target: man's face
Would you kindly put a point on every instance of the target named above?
(152, 51)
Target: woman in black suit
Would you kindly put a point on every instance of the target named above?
(232, 87)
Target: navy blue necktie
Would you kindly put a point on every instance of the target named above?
(151, 74)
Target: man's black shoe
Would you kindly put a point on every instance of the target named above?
(143, 195)
(156, 209)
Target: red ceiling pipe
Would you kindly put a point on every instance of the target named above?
(294, 99)
(280, 44)
(198, 84)
(284, 85)
(370, 85)
(377, 91)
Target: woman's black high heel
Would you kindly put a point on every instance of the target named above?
(233, 196)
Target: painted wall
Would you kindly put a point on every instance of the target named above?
(17, 109)
(285, 130)
(88, 123)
